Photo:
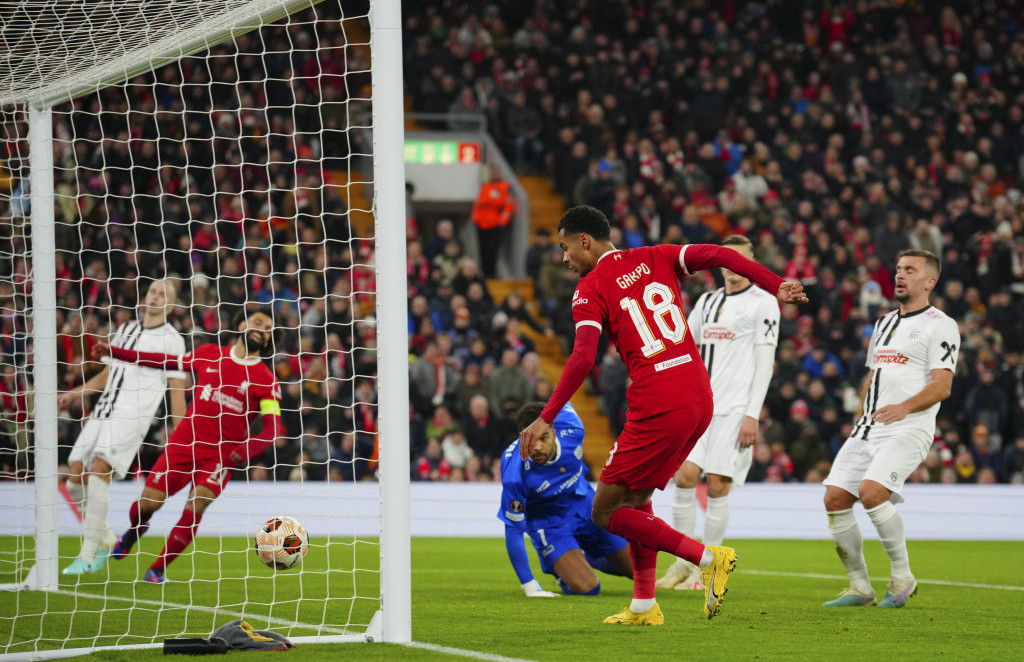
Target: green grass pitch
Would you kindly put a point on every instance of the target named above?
(465, 596)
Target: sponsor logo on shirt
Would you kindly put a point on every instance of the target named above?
(717, 333)
(671, 363)
(210, 394)
(627, 279)
(543, 486)
(577, 302)
(885, 355)
(570, 482)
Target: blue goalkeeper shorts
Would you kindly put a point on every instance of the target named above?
(576, 532)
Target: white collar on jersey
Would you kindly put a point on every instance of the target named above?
(252, 361)
(606, 255)
(558, 445)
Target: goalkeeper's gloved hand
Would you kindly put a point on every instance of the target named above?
(533, 589)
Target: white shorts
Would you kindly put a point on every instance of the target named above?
(718, 450)
(114, 440)
(886, 460)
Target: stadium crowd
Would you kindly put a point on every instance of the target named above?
(833, 135)
(209, 174)
(832, 141)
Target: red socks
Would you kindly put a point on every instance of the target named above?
(182, 534)
(645, 561)
(139, 525)
(639, 525)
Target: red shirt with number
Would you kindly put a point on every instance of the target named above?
(633, 296)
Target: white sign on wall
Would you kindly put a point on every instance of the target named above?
(931, 512)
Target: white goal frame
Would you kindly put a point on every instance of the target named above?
(393, 621)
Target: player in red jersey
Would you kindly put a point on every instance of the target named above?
(232, 388)
(633, 296)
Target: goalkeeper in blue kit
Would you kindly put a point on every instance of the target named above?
(548, 498)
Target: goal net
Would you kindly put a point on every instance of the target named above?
(169, 169)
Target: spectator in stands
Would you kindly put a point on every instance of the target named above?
(514, 306)
(986, 407)
(432, 465)
(536, 256)
(456, 452)
(509, 381)
(433, 378)
(1013, 461)
(483, 434)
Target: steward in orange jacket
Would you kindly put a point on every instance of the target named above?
(492, 213)
(494, 206)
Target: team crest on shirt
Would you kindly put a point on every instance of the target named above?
(915, 334)
(515, 506)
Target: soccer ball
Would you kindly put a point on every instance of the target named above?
(282, 542)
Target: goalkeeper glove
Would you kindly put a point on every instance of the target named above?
(533, 589)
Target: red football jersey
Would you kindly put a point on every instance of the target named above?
(226, 398)
(633, 296)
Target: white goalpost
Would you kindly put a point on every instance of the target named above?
(247, 155)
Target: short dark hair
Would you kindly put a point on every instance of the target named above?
(585, 219)
(527, 414)
(245, 313)
(737, 240)
(930, 259)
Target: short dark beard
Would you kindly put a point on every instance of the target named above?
(902, 298)
(255, 345)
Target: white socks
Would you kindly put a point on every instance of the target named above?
(707, 558)
(684, 510)
(850, 548)
(684, 515)
(715, 520)
(889, 523)
(640, 606)
(95, 520)
(77, 492)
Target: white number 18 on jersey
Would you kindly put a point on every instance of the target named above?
(667, 317)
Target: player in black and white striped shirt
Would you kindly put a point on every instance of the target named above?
(912, 357)
(737, 330)
(110, 439)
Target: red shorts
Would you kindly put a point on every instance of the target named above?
(177, 468)
(649, 451)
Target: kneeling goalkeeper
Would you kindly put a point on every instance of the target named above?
(548, 498)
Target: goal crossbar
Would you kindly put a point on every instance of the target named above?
(80, 57)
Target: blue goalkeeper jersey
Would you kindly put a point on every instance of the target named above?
(537, 496)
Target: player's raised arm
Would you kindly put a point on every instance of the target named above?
(577, 367)
(157, 360)
(697, 257)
